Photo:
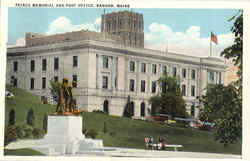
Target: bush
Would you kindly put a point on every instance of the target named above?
(105, 127)
(20, 132)
(10, 134)
(113, 133)
(98, 111)
(30, 117)
(37, 133)
(28, 131)
(12, 117)
(92, 133)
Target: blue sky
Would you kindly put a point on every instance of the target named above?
(178, 30)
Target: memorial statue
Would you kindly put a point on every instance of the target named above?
(66, 104)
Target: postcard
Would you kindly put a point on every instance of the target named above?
(124, 79)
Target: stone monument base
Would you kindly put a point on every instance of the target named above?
(64, 136)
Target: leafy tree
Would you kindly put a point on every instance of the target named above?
(235, 51)
(54, 90)
(30, 117)
(12, 118)
(169, 100)
(222, 105)
(128, 109)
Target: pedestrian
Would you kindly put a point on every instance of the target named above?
(161, 143)
(146, 142)
(151, 142)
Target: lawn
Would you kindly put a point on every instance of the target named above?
(120, 132)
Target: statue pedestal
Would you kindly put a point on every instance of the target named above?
(64, 137)
(64, 129)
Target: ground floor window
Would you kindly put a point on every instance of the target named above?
(132, 109)
(142, 109)
(106, 106)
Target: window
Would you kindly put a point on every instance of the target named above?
(105, 62)
(43, 83)
(183, 90)
(75, 61)
(193, 74)
(74, 82)
(129, 35)
(154, 68)
(153, 86)
(142, 109)
(132, 66)
(15, 66)
(32, 65)
(105, 82)
(44, 65)
(56, 78)
(143, 67)
(211, 76)
(143, 85)
(192, 91)
(184, 71)
(32, 83)
(164, 69)
(56, 63)
(174, 72)
(131, 85)
(192, 110)
(135, 36)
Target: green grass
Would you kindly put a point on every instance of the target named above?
(22, 152)
(22, 102)
(121, 132)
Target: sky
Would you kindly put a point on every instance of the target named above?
(184, 31)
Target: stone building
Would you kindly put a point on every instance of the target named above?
(109, 66)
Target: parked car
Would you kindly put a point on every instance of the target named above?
(207, 126)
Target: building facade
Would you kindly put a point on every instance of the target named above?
(107, 67)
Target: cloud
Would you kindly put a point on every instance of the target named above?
(162, 37)
(19, 42)
(63, 24)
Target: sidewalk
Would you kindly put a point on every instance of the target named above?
(140, 153)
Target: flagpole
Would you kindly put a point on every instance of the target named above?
(210, 44)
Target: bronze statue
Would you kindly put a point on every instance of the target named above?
(66, 104)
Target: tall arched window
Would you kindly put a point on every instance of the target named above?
(132, 108)
(106, 107)
(153, 109)
(142, 109)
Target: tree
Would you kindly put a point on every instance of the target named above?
(54, 90)
(12, 117)
(30, 117)
(128, 109)
(222, 106)
(169, 100)
(235, 51)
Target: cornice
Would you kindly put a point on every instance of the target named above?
(115, 48)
